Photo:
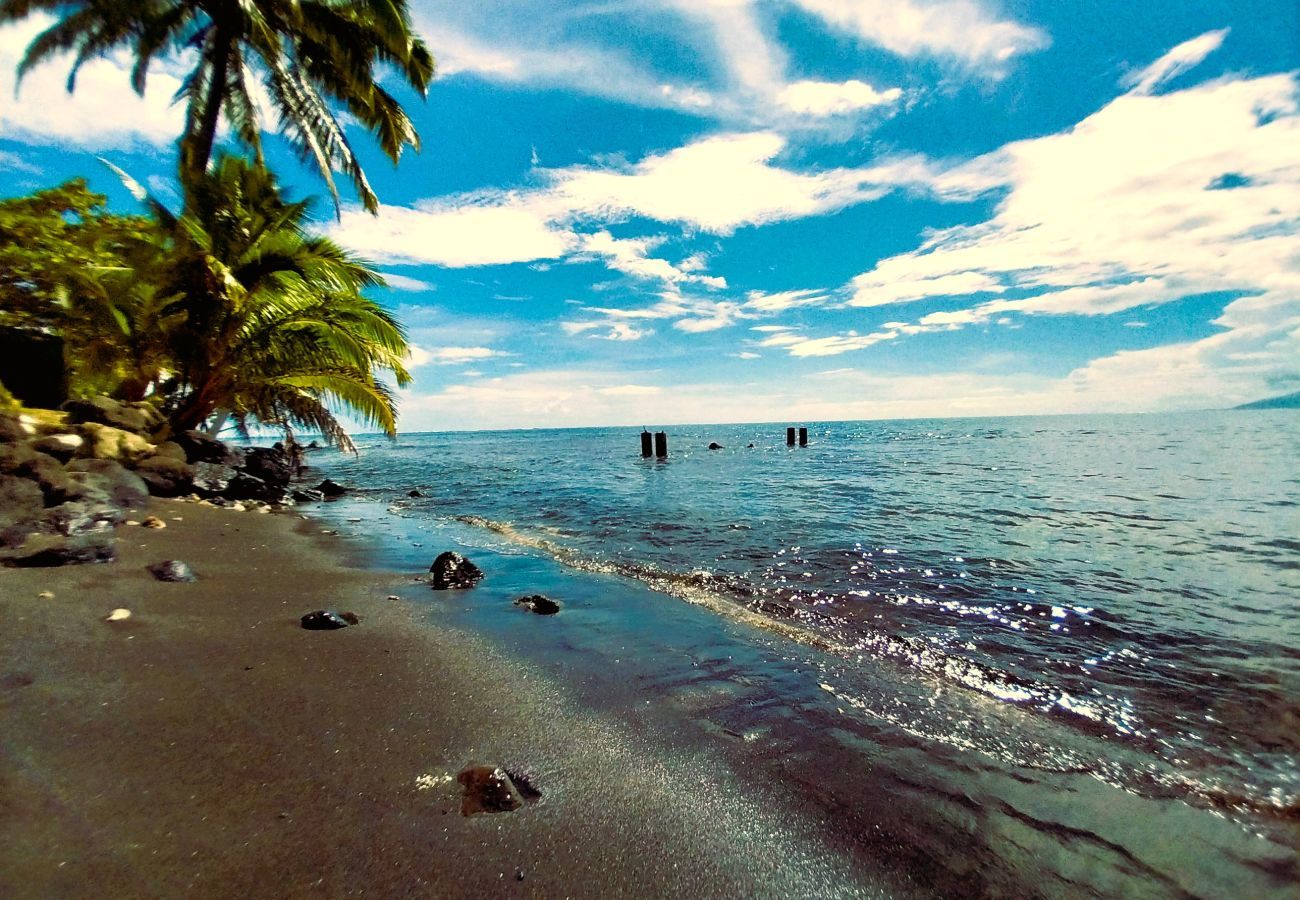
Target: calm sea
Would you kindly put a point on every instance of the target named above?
(1047, 655)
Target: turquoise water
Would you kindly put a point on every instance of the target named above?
(1041, 655)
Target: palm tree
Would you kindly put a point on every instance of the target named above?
(276, 326)
(307, 54)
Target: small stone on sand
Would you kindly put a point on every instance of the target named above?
(118, 615)
(45, 595)
(153, 522)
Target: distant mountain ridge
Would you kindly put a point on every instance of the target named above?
(1286, 401)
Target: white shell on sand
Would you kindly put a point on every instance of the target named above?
(45, 595)
(118, 615)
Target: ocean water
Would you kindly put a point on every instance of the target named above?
(1036, 656)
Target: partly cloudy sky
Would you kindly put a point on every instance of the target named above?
(665, 211)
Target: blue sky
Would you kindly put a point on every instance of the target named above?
(662, 211)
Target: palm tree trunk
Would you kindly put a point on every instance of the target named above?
(196, 150)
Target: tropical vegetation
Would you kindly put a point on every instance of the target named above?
(228, 308)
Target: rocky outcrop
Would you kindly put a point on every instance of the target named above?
(140, 418)
(123, 488)
(108, 442)
(451, 571)
(67, 479)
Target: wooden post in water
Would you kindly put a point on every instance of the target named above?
(803, 437)
(661, 444)
(647, 448)
(789, 437)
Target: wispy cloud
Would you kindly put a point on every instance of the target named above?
(966, 32)
(1174, 63)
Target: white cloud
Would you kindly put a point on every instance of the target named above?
(783, 300)
(104, 112)
(462, 232)
(826, 98)
(966, 32)
(631, 257)
(883, 286)
(450, 356)
(406, 283)
(629, 390)
(1175, 62)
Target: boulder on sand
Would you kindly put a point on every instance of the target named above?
(58, 550)
(329, 620)
(173, 570)
(451, 571)
(166, 476)
(488, 789)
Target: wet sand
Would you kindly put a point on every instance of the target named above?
(210, 747)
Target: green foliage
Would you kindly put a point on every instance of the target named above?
(8, 403)
(70, 267)
(306, 54)
(276, 327)
(56, 244)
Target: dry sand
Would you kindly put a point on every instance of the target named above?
(210, 747)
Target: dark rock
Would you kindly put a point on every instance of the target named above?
(249, 487)
(173, 570)
(749, 446)
(44, 550)
(122, 487)
(166, 476)
(331, 489)
(327, 620)
(715, 446)
(272, 466)
(414, 493)
(21, 500)
(138, 418)
(451, 570)
(543, 606)
(211, 479)
(171, 450)
(308, 496)
(11, 428)
(11, 681)
(21, 461)
(199, 448)
(523, 782)
(488, 789)
(314, 445)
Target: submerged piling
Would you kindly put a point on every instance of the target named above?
(647, 446)
(661, 444)
(803, 437)
(789, 437)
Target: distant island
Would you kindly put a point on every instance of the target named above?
(1286, 401)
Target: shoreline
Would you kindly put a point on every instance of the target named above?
(208, 745)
